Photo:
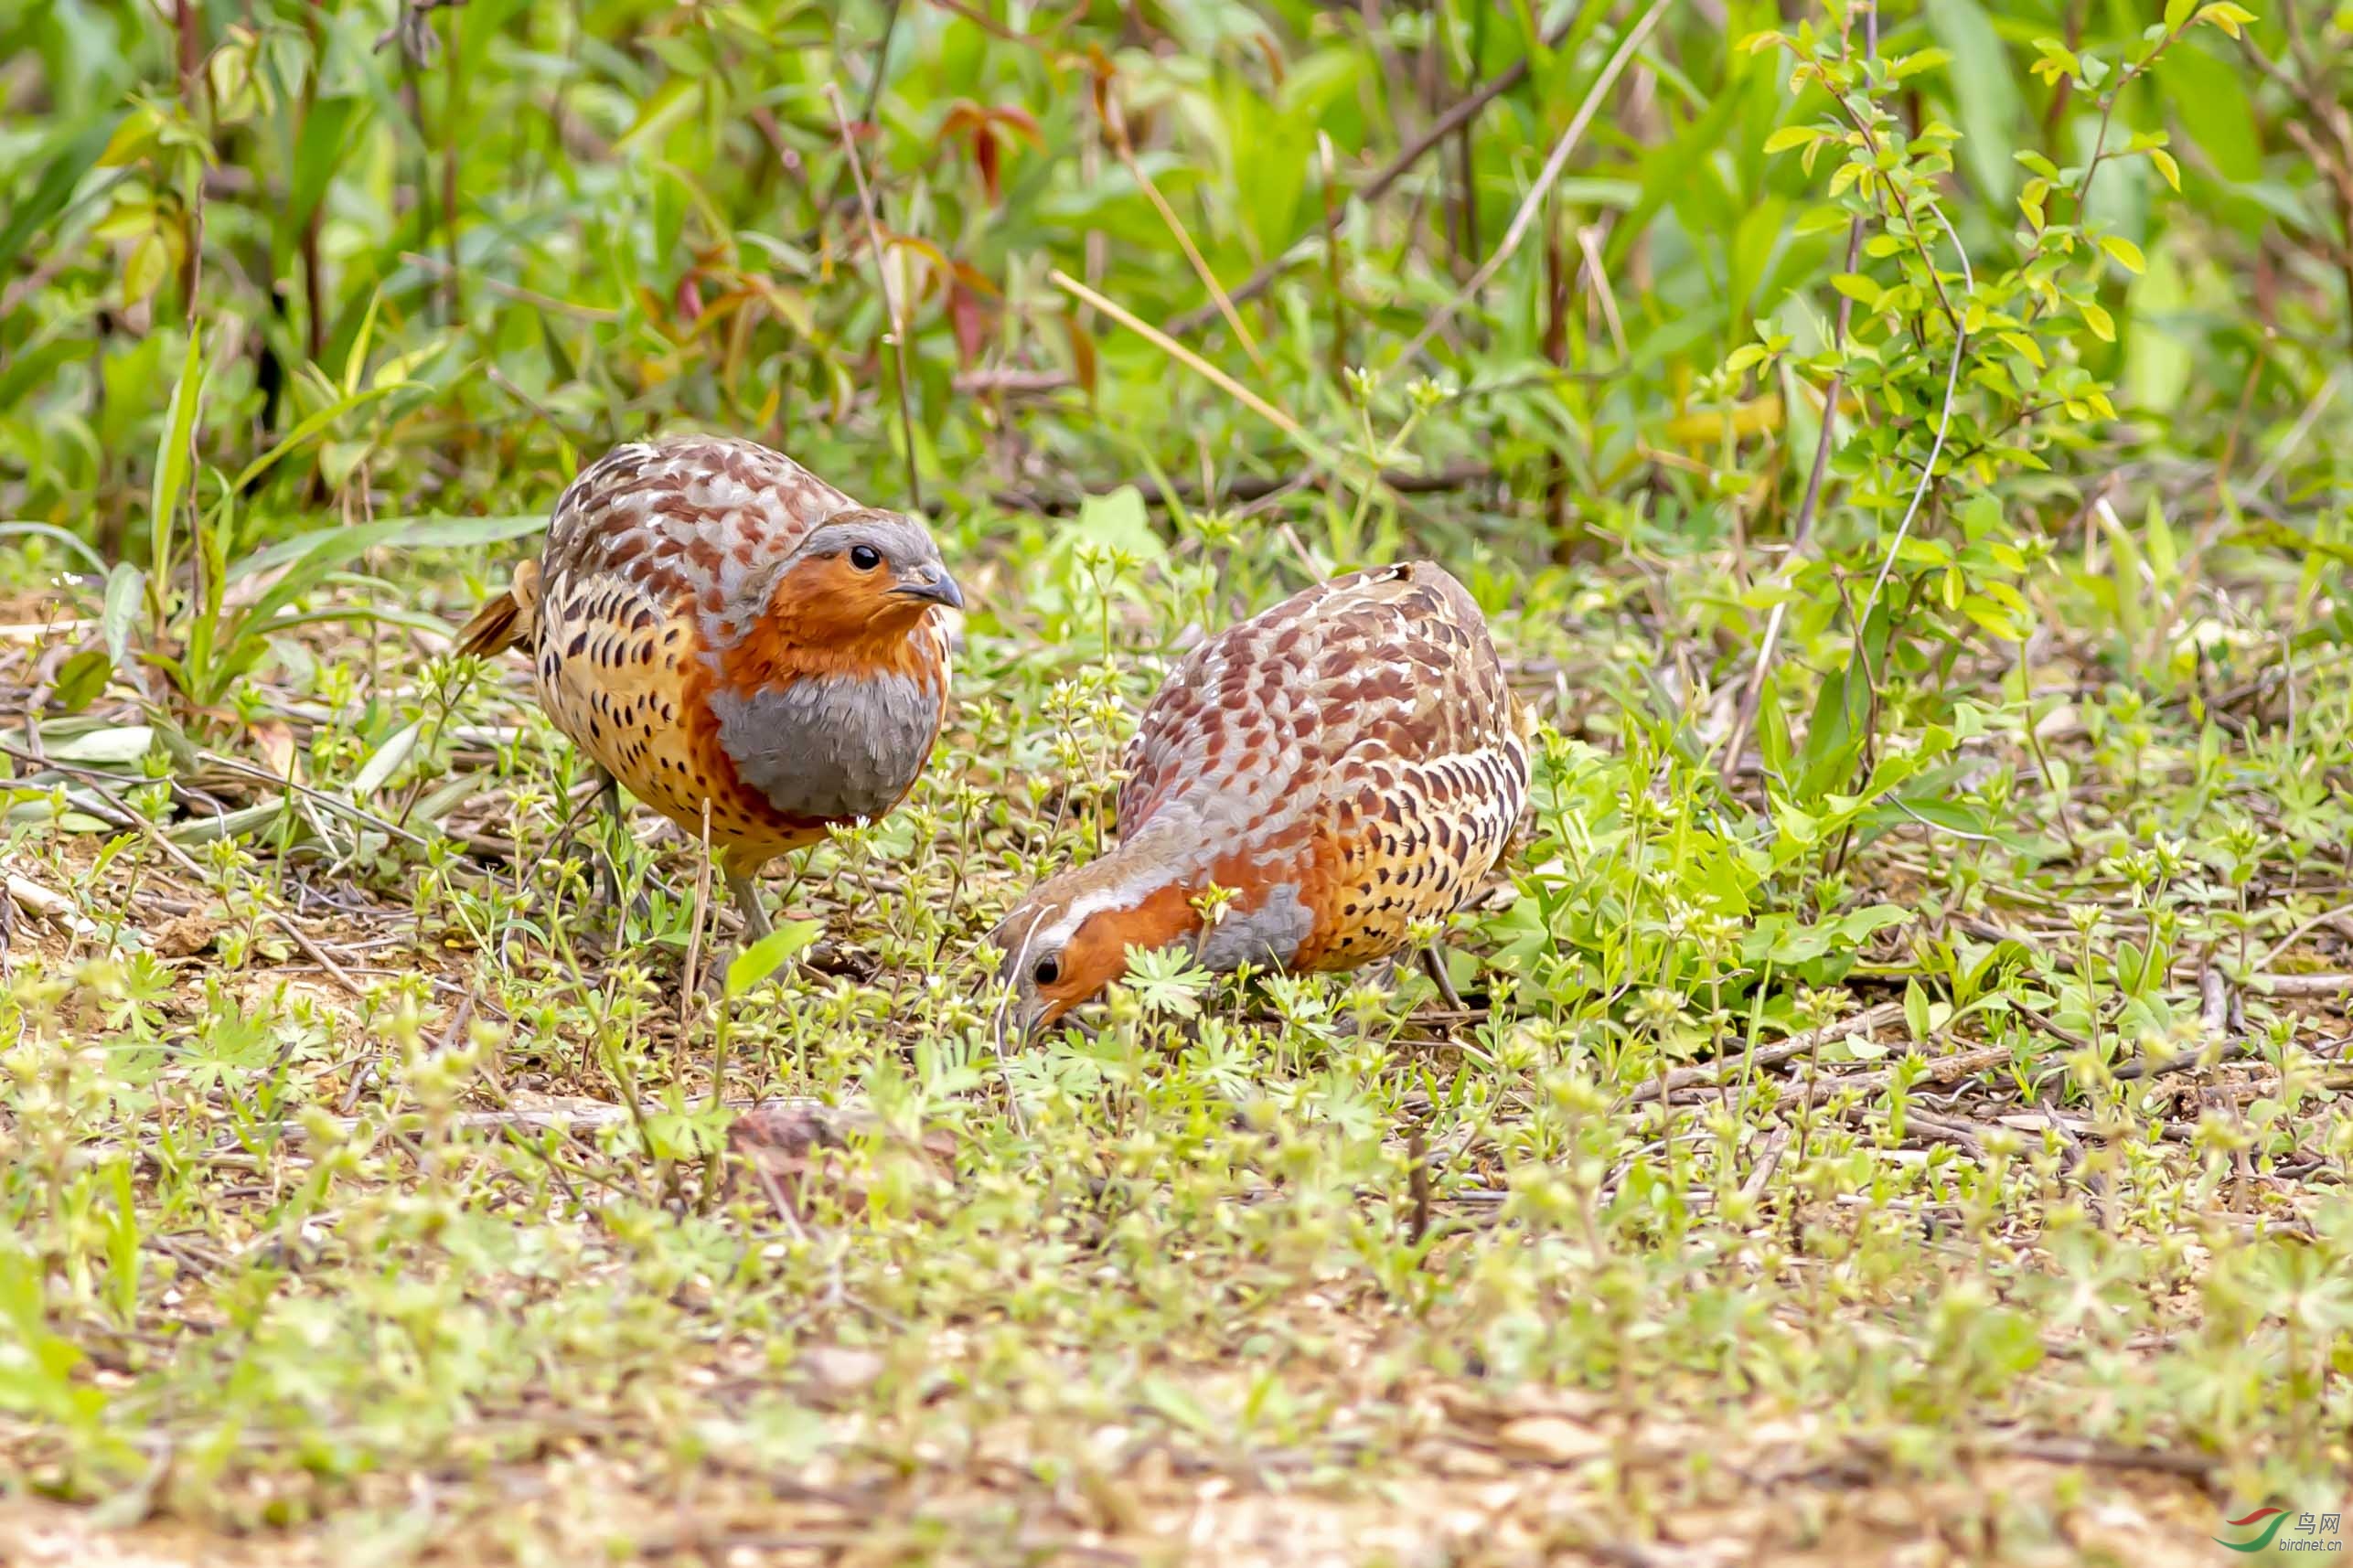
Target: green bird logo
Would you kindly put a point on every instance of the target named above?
(2278, 1518)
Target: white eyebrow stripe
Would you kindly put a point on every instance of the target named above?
(1022, 953)
(1014, 981)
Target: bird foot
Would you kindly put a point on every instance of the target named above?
(1434, 965)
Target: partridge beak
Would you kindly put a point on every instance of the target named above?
(935, 586)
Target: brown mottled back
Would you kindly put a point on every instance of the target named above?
(1361, 734)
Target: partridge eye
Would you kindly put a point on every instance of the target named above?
(1045, 972)
(865, 557)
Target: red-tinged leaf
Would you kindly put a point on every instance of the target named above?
(687, 299)
(984, 154)
(968, 313)
(1100, 69)
(656, 312)
(718, 308)
(973, 278)
(1274, 58)
(1017, 120)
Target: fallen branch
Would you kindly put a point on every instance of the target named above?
(1009, 381)
(2107, 1456)
(1723, 1068)
(2324, 987)
(1941, 1070)
(1243, 487)
(35, 899)
(588, 1117)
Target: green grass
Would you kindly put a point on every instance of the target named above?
(288, 1258)
(1902, 1110)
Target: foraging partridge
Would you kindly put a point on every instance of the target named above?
(1347, 765)
(727, 633)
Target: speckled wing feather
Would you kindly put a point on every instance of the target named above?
(647, 557)
(684, 522)
(1356, 744)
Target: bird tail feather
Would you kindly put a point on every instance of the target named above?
(494, 629)
(505, 620)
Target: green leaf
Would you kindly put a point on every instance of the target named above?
(671, 102)
(1773, 742)
(1833, 738)
(1859, 925)
(1788, 136)
(388, 760)
(173, 454)
(2210, 98)
(109, 745)
(340, 545)
(2128, 255)
(144, 269)
(355, 359)
(2157, 359)
(126, 586)
(312, 423)
(1916, 1014)
(1177, 1403)
(1994, 617)
(765, 956)
(1755, 241)
(1120, 521)
(77, 152)
(2103, 324)
(82, 678)
(1863, 290)
(132, 137)
(228, 825)
(2226, 16)
(1985, 89)
(52, 532)
(325, 139)
(2164, 554)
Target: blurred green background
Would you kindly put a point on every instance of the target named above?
(537, 228)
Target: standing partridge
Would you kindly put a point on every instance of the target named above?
(735, 641)
(1348, 765)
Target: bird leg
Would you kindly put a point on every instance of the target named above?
(746, 894)
(1434, 965)
(608, 795)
